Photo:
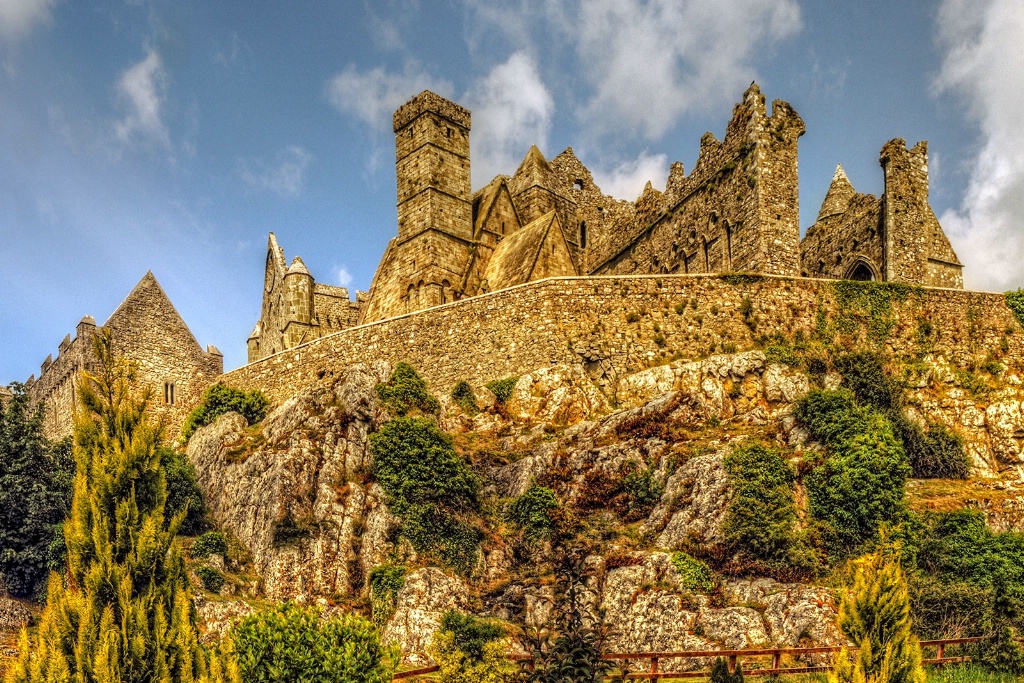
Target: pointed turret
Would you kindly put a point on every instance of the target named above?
(840, 192)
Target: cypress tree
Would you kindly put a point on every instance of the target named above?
(122, 612)
(876, 617)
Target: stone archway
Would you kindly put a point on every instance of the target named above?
(861, 270)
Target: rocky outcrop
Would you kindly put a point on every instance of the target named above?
(426, 595)
(692, 508)
(293, 490)
(743, 385)
(13, 615)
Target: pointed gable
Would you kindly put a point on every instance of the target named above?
(494, 211)
(840, 192)
(537, 251)
(147, 319)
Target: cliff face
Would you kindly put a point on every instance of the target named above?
(298, 492)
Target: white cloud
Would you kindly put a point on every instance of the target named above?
(983, 63)
(284, 176)
(627, 180)
(651, 61)
(18, 16)
(142, 89)
(343, 277)
(373, 96)
(512, 109)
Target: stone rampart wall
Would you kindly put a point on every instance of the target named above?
(615, 326)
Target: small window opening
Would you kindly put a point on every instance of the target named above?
(577, 184)
(169, 393)
(583, 235)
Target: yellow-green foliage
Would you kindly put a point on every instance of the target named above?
(288, 644)
(471, 650)
(694, 574)
(126, 613)
(875, 615)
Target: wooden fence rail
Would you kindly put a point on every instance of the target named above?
(656, 659)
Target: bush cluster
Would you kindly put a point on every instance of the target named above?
(210, 543)
(531, 512)
(430, 487)
(463, 396)
(406, 391)
(292, 643)
(212, 579)
(502, 389)
(1015, 301)
(933, 450)
(761, 514)
(220, 399)
(470, 650)
(859, 485)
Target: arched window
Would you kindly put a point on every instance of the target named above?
(728, 244)
(583, 235)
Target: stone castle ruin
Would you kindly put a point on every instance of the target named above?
(737, 211)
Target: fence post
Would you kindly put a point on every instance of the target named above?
(777, 660)
(732, 664)
(941, 653)
(654, 668)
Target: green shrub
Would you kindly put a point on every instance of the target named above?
(220, 399)
(470, 650)
(385, 582)
(430, 487)
(531, 512)
(406, 391)
(502, 388)
(452, 538)
(290, 643)
(943, 609)
(212, 579)
(782, 354)
(463, 396)
(760, 517)
(210, 543)
(183, 492)
(415, 462)
(959, 547)
(570, 648)
(642, 491)
(1015, 302)
(860, 484)
(864, 374)
(694, 574)
(934, 453)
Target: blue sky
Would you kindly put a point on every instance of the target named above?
(173, 136)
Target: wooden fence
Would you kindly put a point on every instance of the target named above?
(734, 657)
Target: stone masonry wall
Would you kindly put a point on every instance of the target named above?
(615, 326)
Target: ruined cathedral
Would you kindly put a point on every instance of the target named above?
(736, 211)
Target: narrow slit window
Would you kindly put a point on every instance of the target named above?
(169, 393)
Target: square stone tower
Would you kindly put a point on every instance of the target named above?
(426, 263)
